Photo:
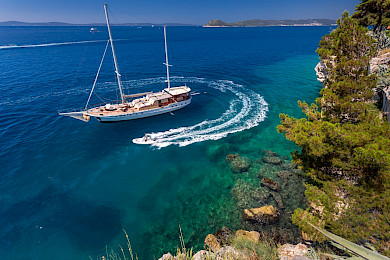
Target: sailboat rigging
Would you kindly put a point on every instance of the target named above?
(139, 105)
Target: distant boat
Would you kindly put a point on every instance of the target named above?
(93, 29)
(130, 107)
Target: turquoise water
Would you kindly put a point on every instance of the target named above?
(68, 188)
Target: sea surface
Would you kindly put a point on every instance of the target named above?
(68, 189)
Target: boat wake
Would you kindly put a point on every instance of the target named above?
(246, 110)
(5, 47)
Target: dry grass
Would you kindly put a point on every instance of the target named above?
(384, 51)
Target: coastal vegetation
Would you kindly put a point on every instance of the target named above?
(344, 140)
(377, 14)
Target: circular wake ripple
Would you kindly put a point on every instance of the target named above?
(246, 110)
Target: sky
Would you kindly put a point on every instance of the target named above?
(170, 11)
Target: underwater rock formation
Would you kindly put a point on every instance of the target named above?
(272, 160)
(238, 163)
(284, 174)
(278, 199)
(247, 195)
(287, 195)
(270, 184)
(264, 215)
(261, 195)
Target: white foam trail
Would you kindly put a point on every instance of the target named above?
(247, 110)
(5, 47)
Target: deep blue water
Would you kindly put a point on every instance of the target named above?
(68, 188)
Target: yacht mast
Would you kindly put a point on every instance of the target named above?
(166, 57)
(118, 75)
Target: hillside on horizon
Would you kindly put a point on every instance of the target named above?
(264, 23)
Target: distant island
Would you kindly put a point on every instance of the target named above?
(263, 23)
(18, 23)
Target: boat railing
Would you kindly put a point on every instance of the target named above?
(75, 110)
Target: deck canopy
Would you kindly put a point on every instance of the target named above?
(178, 90)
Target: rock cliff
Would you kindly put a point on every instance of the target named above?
(381, 65)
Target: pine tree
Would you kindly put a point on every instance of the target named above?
(345, 144)
(373, 12)
(376, 13)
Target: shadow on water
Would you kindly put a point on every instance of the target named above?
(88, 226)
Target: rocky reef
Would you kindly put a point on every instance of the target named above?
(268, 196)
(260, 192)
(237, 163)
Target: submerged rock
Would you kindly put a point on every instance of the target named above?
(270, 153)
(247, 195)
(264, 215)
(270, 184)
(231, 157)
(272, 160)
(289, 252)
(260, 195)
(250, 235)
(278, 199)
(289, 166)
(284, 174)
(268, 170)
(212, 242)
(239, 163)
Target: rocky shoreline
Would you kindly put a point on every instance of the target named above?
(266, 192)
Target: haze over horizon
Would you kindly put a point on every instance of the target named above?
(170, 11)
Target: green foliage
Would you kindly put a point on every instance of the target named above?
(376, 13)
(347, 52)
(345, 145)
(264, 249)
(373, 12)
(348, 41)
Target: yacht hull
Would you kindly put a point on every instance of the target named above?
(142, 114)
